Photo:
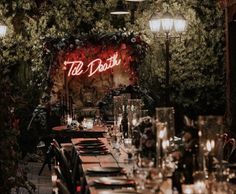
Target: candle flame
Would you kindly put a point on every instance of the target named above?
(208, 145)
(212, 144)
(162, 134)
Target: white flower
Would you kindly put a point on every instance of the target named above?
(133, 40)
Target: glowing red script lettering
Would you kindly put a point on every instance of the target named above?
(97, 66)
(94, 66)
(75, 68)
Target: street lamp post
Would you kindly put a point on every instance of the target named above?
(170, 26)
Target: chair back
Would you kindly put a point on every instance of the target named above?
(228, 148)
(62, 188)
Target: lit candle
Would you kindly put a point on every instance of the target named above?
(208, 146)
(54, 179)
(199, 187)
(187, 189)
(134, 121)
(165, 144)
(89, 123)
(160, 133)
(69, 120)
(161, 136)
(212, 144)
(119, 119)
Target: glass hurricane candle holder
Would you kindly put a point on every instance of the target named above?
(209, 126)
(117, 109)
(88, 123)
(200, 186)
(165, 131)
(134, 113)
(166, 115)
(188, 189)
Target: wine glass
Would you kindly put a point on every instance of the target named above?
(140, 175)
(128, 146)
(157, 178)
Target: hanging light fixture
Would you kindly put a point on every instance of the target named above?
(120, 9)
(167, 22)
(180, 24)
(3, 30)
(155, 23)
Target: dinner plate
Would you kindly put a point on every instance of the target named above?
(105, 170)
(94, 152)
(92, 146)
(108, 181)
(102, 149)
(119, 192)
(90, 143)
(89, 147)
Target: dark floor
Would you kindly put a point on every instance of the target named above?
(43, 182)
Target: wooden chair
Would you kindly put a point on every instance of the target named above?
(62, 188)
(220, 141)
(48, 159)
(228, 148)
(232, 157)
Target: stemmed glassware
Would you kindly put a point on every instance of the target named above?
(157, 179)
(165, 131)
(209, 126)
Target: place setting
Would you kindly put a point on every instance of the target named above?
(90, 142)
(105, 171)
(119, 191)
(113, 182)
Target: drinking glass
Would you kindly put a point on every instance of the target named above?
(166, 115)
(117, 109)
(134, 113)
(140, 175)
(165, 131)
(200, 186)
(157, 179)
(128, 146)
(209, 126)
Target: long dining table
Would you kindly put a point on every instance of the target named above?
(113, 158)
(117, 157)
(89, 161)
(64, 133)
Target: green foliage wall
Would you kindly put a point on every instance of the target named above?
(197, 59)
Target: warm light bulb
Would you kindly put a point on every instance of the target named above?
(3, 30)
(212, 144)
(165, 144)
(161, 134)
(180, 24)
(167, 22)
(155, 23)
(208, 145)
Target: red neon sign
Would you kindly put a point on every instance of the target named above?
(95, 66)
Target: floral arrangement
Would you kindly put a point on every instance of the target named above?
(86, 45)
(106, 104)
(145, 137)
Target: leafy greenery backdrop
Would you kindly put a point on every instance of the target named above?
(197, 59)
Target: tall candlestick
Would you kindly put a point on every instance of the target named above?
(63, 106)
